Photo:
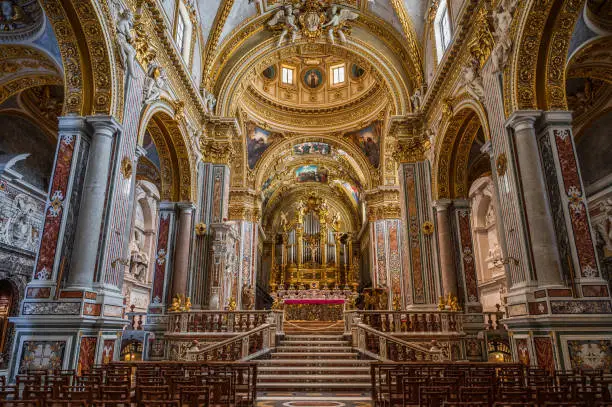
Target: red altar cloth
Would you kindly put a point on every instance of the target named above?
(313, 301)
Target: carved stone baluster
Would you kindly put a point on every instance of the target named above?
(490, 321)
(139, 326)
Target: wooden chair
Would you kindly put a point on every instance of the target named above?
(114, 392)
(66, 403)
(411, 389)
(20, 403)
(160, 403)
(195, 396)
(464, 404)
(77, 393)
(481, 394)
(433, 396)
(150, 381)
(139, 390)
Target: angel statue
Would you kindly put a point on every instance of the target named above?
(337, 19)
(285, 18)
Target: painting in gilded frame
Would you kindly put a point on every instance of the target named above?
(258, 141)
(313, 78)
(311, 148)
(368, 140)
(311, 173)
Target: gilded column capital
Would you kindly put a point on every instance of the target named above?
(216, 140)
(412, 144)
(244, 205)
(383, 203)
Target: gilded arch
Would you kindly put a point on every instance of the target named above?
(178, 178)
(89, 78)
(538, 67)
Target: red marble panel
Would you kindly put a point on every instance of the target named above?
(71, 294)
(89, 295)
(544, 352)
(538, 308)
(381, 266)
(92, 309)
(55, 208)
(87, 354)
(413, 236)
(577, 208)
(594, 290)
(467, 256)
(394, 261)
(38, 292)
(560, 292)
(540, 294)
(159, 274)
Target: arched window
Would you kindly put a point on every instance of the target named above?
(442, 28)
(183, 31)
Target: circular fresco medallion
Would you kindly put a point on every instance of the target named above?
(313, 78)
(269, 73)
(357, 72)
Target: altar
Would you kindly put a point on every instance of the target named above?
(315, 305)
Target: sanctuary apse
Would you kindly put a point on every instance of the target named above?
(199, 180)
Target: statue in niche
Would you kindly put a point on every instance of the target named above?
(155, 83)
(604, 228)
(337, 17)
(248, 297)
(125, 40)
(228, 272)
(139, 261)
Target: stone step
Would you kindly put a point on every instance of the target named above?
(310, 378)
(317, 387)
(314, 362)
(314, 338)
(295, 342)
(297, 370)
(309, 348)
(314, 355)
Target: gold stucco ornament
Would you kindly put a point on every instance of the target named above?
(200, 229)
(501, 164)
(427, 228)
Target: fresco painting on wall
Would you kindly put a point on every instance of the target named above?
(350, 189)
(368, 139)
(42, 355)
(258, 141)
(311, 148)
(311, 173)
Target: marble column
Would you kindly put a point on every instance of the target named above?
(539, 220)
(447, 261)
(182, 245)
(87, 237)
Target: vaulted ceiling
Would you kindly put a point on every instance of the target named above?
(219, 18)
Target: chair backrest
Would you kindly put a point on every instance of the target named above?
(66, 403)
(195, 396)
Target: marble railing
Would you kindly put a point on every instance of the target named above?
(407, 322)
(387, 348)
(215, 321)
(242, 347)
(137, 320)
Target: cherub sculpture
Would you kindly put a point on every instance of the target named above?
(286, 19)
(336, 24)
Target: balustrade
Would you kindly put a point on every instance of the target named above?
(215, 321)
(407, 322)
(137, 320)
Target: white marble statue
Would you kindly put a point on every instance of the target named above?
(337, 16)
(155, 83)
(417, 99)
(211, 101)
(125, 40)
(286, 17)
(472, 80)
(283, 219)
(502, 20)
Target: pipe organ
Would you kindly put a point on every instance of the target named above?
(311, 251)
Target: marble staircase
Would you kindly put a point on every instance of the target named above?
(314, 359)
